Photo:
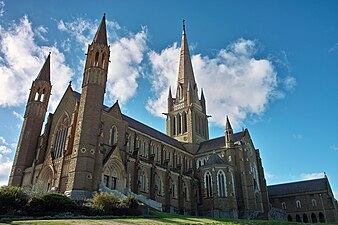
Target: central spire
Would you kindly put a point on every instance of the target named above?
(185, 71)
(101, 34)
(44, 73)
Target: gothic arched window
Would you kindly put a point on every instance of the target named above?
(208, 184)
(221, 184)
(60, 137)
(179, 124)
(143, 181)
(113, 135)
(185, 125)
(174, 125)
(103, 60)
(314, 202)
(283, 205)
(298, 204)
(96, 60)
(158, 187)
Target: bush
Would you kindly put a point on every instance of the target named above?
(36, 206)
(12, 199)
(130, 202)
(105, 201)
(58, 203)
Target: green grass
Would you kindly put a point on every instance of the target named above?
(153, 218)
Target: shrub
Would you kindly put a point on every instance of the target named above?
(58, 203)
(105, 201)
(12, 199)
(130, 202)
(36, 206)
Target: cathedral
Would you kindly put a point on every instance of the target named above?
(88, 147)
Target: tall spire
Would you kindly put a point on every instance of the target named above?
(185, 71)
(44, 73)
(101, 33)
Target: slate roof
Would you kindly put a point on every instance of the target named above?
(152, 132)
(219, 142)
(44, 73)
(101, 34)
(143, 128)
(316, 185)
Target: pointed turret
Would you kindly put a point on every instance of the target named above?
(170, 100)
(44, 73)
(101, 33)
(228, 125)
(228, 133)
(203, 102)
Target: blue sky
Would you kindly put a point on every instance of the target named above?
(270, 65)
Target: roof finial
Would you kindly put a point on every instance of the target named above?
(70, 83)
(183, 21)
(104, 14)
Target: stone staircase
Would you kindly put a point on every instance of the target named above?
(149, 202)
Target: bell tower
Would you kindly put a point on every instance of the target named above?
(84, 171)
(186, 118)
(34, 117)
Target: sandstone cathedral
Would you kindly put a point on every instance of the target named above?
(87, 147)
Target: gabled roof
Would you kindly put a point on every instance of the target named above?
(143, 128)
(317, 185)
(218, 142)
(213, 160)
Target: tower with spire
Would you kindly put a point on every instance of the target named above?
(34, 117)
(85, 169)
(228, 133)
(186, 118)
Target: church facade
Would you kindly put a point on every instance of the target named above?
(87, 147)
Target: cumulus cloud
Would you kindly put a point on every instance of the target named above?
(235, 82)
(310, 176)
(5, 167)
(126, 53)
(21, 60)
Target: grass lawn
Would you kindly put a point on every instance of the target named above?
(154, 218)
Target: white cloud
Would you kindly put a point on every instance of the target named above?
(5, 150)
(310, 176)
(126, 54)
(2, 8)
(81, 29)
(22, 59)
(289, 83)
(235, 83)
(3, 140)
(18, 115)
(5, 167)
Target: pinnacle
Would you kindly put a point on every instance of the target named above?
(228, 125)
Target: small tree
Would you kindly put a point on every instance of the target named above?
(38, 189)
(105, 201)
(130, 202)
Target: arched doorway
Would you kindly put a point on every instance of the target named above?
(45, 180)
(314, 218)
(289, 218)
(321, 217)
(305, 219)
(298, 218)
(113, 176)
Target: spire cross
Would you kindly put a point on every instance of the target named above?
(183, 21)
